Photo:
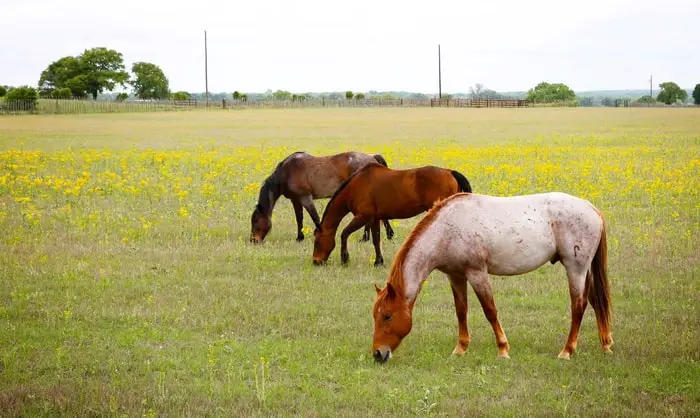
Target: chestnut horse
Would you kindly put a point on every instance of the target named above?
(377, 193)
(469, 236)
(302, 177)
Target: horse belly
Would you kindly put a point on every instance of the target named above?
(521, 251)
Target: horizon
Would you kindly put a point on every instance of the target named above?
(313, 47)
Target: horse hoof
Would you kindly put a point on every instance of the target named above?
(503, 356)
(564, 356)
(379, 263)
(344, 259)
(300, 238)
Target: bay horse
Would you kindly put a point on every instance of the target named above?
(301, 178)
(469, 236)
(376, 193)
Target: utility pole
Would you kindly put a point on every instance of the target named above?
(439, 74)
(206, 71)
(651, 78)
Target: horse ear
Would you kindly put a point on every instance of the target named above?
(390, 292)
(377, 289)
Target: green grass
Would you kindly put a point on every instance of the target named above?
(128, 287)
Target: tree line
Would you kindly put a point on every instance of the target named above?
(98, 70)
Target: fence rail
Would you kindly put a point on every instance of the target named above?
(77, 106)
(80, 106)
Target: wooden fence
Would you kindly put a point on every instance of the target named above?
(75, 106)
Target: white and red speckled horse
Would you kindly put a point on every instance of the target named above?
(469, 236)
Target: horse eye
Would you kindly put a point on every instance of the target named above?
(387, 317)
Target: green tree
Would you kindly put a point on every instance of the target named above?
(670, 93)
(62, 73)
(180, 95)
(236, 95)
(26, 96)
(92, 72)
(696, 94)
(122, 96)
(282, 95)
(62, 93)
(646, 99)
(359, 96)
(348, 95)
(3, 91)
(104, 69)
(550, 92)
(149, 81)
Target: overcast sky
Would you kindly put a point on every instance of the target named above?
(362, 45)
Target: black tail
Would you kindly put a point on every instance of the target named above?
(462, 181)
(381, 160)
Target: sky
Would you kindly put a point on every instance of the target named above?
(363, 45)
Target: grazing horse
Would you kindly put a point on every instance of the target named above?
(469, 236)
(302, 177)
(377, 193)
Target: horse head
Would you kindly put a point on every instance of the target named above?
(261, 224)
(392, 322)
(324, 243)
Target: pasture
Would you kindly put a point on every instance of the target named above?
(128, 285)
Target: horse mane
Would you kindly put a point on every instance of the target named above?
(342, 186)
(272, 183)
(396, 271)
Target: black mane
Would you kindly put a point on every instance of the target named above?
(272, 184)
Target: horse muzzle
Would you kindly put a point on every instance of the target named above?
(382, 354)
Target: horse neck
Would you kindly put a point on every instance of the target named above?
(336, 210)
(268, 197)
(411, 270)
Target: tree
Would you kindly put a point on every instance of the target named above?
(149, 81)
(670, 93)
(3, 91)
(122, 96)
(359, 96)
(282, 95)
(64, 73)
(180, 95)
(476, 91)
(550, 92)
(696, 94)
(646, 99)
(62, 93)
(104, 69)
(91, 72)
(236, 95)
(25, 95)
(348, 95)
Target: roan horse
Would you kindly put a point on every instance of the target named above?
(377, 193)
(469, 236)
(302, 177)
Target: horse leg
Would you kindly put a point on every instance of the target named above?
(578, 290)
(389, 230)
(459, 291)
(376, 238)
(365, 235)
(299, 213)
(308, 204)
(357, 222)
(479, 279)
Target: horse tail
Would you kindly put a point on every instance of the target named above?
(380, 160)
(462, 181)
(599, 292)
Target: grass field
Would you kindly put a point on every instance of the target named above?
(128, 287)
